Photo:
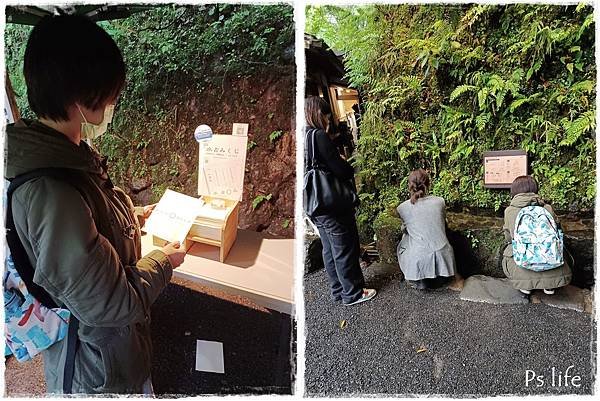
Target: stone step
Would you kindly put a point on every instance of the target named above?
(569, 297)
(498, 291)
(492, 290)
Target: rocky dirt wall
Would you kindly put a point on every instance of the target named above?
(164, 154)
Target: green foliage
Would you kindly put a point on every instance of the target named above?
(199, 44)
(15, 38)
(252, 145)
(444, 83)
(257, 201)
(347, 29)
(275, 135)
(473, 240)
(170, 50)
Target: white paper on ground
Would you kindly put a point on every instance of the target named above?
(173, 216)
(209, 356)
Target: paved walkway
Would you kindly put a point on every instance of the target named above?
(410, 342)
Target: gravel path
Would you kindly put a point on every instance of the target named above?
(256, 343)
(256, 346)
(410, 342)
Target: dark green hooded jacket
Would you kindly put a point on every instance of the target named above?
(85, 247)
(521, 278)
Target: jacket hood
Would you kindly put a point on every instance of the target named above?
(524, 199)
(31, 145)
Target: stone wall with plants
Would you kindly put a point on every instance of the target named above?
(444, 83)
(478, 242)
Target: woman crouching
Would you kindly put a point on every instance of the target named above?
(520, 268)
(424, 252)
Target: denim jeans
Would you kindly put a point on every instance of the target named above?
(148, 389)
(341, 253)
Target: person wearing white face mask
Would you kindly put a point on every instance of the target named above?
(92, 131)
(78, 232)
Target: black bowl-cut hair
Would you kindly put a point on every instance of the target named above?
(69, 59)
(522, 185)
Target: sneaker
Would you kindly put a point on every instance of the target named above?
(548, 292)
(367, 294)
(526, 292)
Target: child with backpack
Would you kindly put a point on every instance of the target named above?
(534, 258)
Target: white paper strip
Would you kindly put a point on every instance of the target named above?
(209, 356)
(173, 216)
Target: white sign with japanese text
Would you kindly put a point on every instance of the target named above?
(221, 167)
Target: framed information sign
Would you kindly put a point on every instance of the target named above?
(503, 166)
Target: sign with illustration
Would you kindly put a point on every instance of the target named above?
(221, 167)
(503, 166)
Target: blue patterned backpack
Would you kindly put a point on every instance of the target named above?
(537, 241)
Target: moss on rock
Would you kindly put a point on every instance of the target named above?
(388, 231)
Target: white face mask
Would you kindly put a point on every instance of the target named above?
(93, 131)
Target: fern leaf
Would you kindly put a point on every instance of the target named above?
(516, 103)
(583, 86)
(460, 90)
(589, 20)
(577, 128)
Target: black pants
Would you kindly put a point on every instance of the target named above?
(341, 254)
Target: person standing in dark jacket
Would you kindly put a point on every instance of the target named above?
(82, 236)
(338, 231)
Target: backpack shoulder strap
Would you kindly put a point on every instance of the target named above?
(17, 251)
(522, 213)
(537, 202)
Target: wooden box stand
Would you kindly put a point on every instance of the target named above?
(216, 232)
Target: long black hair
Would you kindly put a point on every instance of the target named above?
(316, 110)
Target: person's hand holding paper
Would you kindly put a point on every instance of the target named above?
(148, 209)
(172, 219)
(175, 252)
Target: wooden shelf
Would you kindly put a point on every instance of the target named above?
(227, 229)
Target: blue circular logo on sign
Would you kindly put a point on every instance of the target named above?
(203, 132)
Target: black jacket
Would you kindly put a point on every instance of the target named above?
(326, 155)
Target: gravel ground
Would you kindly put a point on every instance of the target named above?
(256, 343)
(406, 342)
(24, 379)
(256, 346)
